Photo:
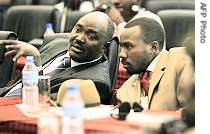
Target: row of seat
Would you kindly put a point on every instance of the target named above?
(177, 23)
(28, 2)
(6, 65)
(178, 17)
(29, 21)
(157, 5)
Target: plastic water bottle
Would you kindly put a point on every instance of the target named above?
(49, 29)
(72, 104)
(30, 92)
(48, 124)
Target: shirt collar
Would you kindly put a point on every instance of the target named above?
(66, 55)
(74, 63)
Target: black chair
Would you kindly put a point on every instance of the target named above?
(3, 9)
(8, 35)
(71, 18)
(156, 5)
(6, 65)
(113, 58)
(21, 2)
(34, 2)
(44, 2)
(1, 20)
(177, 23)
(29, 21)
(51, 37)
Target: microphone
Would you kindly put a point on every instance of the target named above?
(124, 110)
(137, 107)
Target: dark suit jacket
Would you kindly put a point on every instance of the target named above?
(97, 71)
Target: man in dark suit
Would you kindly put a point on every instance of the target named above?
(86, 50)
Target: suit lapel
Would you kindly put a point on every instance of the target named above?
(71, 70)
(50, 56)
(134, 92)
(53, 49)
(158, 72)
(130, 90)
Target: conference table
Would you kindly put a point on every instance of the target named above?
(13, 120)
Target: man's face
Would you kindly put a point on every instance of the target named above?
(125, 8)
(136, 55)
(88, 37)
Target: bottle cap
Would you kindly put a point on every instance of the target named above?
(29, 59)
(49, 25)
(73, 87)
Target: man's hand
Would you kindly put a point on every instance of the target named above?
(15, 49)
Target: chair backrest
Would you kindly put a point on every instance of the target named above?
(4, 5)
(21, 2)
(71, 19)
(33, 2)
(8, 35)
(1, 20)
(29, 21)
(113, 60)
(51, 37)
(156, 5)
(177, 22)
(6, 65)
(44, 2)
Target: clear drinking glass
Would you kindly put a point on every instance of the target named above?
(44, 89)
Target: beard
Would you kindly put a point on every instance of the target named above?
(133, 69)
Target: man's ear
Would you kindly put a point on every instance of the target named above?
(155, 47)
(105, 49)
(107, 44)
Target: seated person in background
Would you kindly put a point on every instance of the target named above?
(159, 77)
(122, 11)
(86, 53)
(188, 112)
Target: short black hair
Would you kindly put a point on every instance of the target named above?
(151, 30)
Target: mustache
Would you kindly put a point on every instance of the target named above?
(124, 62)
(78, 45)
